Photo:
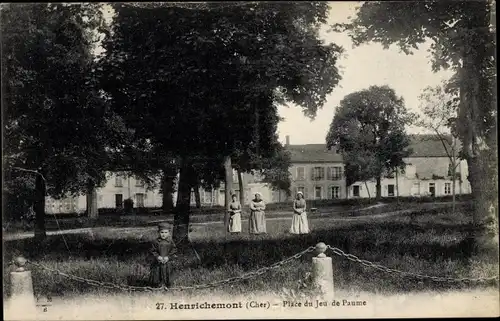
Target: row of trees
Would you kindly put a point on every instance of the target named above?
(181, 89)
(194, 89)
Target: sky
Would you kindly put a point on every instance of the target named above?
(361, 67)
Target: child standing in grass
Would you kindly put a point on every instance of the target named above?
(162, 250)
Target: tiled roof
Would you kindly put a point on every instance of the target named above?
(422, 146)
(311, 153)
(428, 146)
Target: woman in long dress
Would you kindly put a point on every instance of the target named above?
(235, 216)
(300, 225)
(257, 223)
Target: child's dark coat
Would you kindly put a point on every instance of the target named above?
(160, 272)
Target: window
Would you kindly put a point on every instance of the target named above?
(139, 197)
(318, 173)
(447, 188)
(118, 181)
(317, 192)
(334, 173)
(300, 173)
(390, 190)
(303, 190)
(415, 189)
(118, 200)
(355, 190)
(139, 183)
(100, 198)
(334, 192)
(432, 189)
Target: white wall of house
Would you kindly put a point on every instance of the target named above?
(215, 197)
(119, 188)
(116, 189)
(315, 180)
(417, 180)
(318, 180)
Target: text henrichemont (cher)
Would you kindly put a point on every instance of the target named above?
(205, 305)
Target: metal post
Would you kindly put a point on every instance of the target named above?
(22, 301)
(322, 272)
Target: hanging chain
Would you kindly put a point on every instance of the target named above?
(379, 267)
(261, 271)
(201, 286)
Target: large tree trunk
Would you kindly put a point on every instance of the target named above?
(228, 182)
(242, 188)
(39, 207)
(379, 189)
(168, 179)
(197, 195)
(484, 193)
(182, 208)
(482, 176)
(91, 197)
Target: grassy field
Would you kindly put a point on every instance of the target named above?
(70, 222)
(433, 242)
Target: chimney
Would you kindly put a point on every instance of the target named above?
(287, 140)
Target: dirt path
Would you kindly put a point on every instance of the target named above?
(25, 235)
(18, 236)
(466, 303)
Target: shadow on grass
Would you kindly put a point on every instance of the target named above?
(432, 249)
(373, 239)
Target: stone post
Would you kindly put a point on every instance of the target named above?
(22, 302)
(322, 272)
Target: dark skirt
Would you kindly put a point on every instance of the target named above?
(160, 274)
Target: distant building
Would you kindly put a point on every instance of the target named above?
(319, 173)
(111, 195)
(316, 171)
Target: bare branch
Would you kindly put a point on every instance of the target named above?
(31, 171)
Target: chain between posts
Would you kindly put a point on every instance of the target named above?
(382, 268)
(201, 286)
(261, 271)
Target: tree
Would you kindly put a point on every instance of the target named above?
(241, 62)
(359, 166)
(369, 129)
(56, 125)
(462, 37)
(275, 170)
(439, 108)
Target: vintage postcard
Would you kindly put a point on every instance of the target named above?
(249, 160)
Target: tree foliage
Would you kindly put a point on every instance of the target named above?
(369, 129)
(275, 170)
(440, 113)
(55, 121)
(203, 84)
(462, 35)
